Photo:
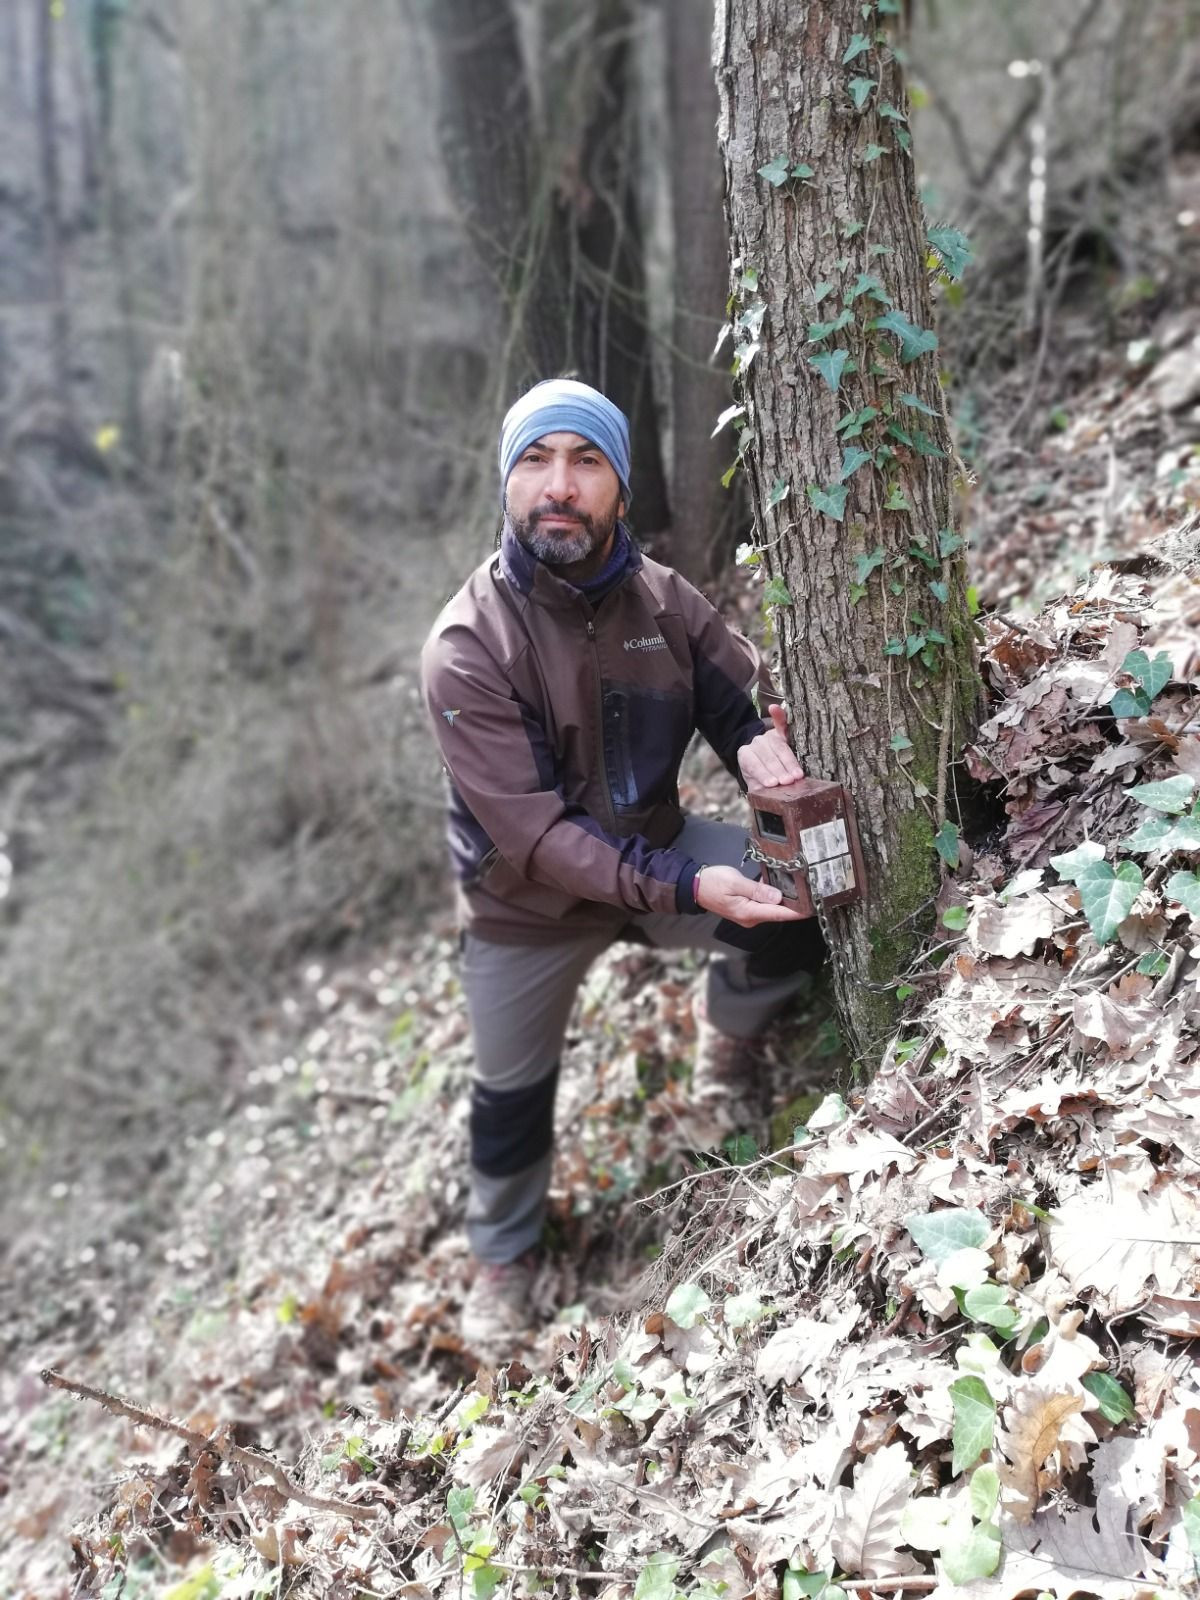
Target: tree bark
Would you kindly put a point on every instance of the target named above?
(700, 391)
(866, 581)
(56, 278)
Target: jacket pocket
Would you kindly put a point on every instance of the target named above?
(646, 732)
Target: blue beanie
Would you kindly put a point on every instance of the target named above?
(561, 405)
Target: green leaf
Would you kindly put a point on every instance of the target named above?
(896, 500)
(954, 249)
(859, 89)
(822, 289)
(656, 1581)
(830, 365)
(1171, 795)
(989, 1303)
(775, 171)
(852, 459)
(486, 1580)
(1152, 675)
(974, 1422)
(459, 1505)
(802, 170)
(984, 1492)
(857, 591)
(904, 138)
(780, 490)
(831, 501)
(900, 741)
(1108, 896)
(849, 229)
(1152, 833)
(892, 113)
(1191, 1526)
(975, 1555)
(913, 644)
(858, 43)
(853, 423)
(948, 541)
(1185, 887)
(744, 1310)
(1115, 1403)
(1072, 862)
(938, 1234)
(940, 591)
(945, 842)
(972, 600)
(868, 283)
(1153, 964)
(873, 153)
(917, 404)
(727, 475)
(913, 341)
(749, 278)
(924, 557)
(954, 918)
(864, 566)
(775, 593)
(1185, 835)
(1129, 703)
(904, 990)
(687, 1304)
(924, 445)
(822, 330)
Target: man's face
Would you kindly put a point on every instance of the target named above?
(563, 500)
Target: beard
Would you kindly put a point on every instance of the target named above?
(564, 547)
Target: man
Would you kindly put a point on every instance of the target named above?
(564, 681)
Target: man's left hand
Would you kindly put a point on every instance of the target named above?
(767, 761)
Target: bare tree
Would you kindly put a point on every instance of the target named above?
(45, 28)
(848, 450)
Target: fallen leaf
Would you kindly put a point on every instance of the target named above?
(867, 1536)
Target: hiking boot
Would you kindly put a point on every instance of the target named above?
(727, 1074)
(498, 1310)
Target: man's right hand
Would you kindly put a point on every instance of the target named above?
(724, 891)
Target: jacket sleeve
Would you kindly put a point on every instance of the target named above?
(729, 676)
(501, 763)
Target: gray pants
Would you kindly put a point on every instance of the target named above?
(520, 997)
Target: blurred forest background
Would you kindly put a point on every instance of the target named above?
(270, 272)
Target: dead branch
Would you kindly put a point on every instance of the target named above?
(218, 1441)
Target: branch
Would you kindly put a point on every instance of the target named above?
(203, 1441)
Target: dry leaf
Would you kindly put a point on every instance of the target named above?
(1124, 1028)
(1010, 930)
(867, 1517)
(1036, 1421)
(1116, 1241)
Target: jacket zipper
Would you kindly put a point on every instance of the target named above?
(590, 625)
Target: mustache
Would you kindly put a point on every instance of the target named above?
(552, 510)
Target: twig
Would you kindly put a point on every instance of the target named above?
(202, 1441)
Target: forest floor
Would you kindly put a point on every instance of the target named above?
(940, 1340)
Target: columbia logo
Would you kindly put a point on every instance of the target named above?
(450, 716)
(649, 641)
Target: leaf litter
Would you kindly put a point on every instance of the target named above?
(940, 1343)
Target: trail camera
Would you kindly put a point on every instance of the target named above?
(806, 837)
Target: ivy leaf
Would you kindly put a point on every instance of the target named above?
(831, 501)
(896, 500)
(859, 89)
(894, 647)
(1185, 835)
(775, 171)
(822, 330)
(864, 566)
(1171, 795)
(924, 557)
(1115, 1404)
(1072, 862)
(749, 279)
(854, 422)
(904, 138)
(821, 290)
(948, 541)
(988, 1303)
(924, 445)
(780, 490)
(727, 475)
(849, 229)
(954, 249)
(945, 842)
(940, 591)
(747, 555)
(868, 283)
(940, 1234)
(917, 404)
(830, 365)
(1108, 896)
(913, 341)
(974, 1422)
(890, 111)
(1152, 675)
(1185, 887)
(656, 1581)
(775, 593)
(954, 918)
(858, 43)
(727, 416)
(984, 1493)
(873, 153)
(857, 591)
(913, 644)
(975, 1555)
(802, 170)
(900, 742)
(1129, 703)
(852, 459)
(688, 1302)
(1152, 965)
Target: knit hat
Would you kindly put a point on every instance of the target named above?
(561, 405)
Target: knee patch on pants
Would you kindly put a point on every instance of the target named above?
(512, 1128)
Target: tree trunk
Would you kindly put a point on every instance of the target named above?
(866, 578)
(56, 279)
(701, 508)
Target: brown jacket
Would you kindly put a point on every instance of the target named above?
(562, 718)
